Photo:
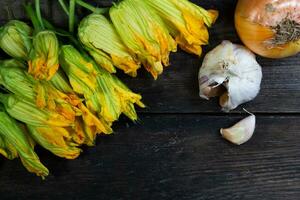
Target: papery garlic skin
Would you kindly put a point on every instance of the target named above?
(241, 132)
(234, 67)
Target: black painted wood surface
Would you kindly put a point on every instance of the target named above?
(175, 151)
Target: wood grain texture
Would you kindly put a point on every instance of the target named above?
(171, 157)
(175, 151)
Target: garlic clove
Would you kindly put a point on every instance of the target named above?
(241, 132)
(213, 91)
(224, 100)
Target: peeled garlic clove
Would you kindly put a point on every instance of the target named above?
(233, 67)
(224, 100)
(241, 132)
(213, 91)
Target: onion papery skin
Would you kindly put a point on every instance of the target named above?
(255, 21)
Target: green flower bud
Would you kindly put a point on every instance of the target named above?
(18, 82)
(12, 63)
(60, 82)
(15, 39)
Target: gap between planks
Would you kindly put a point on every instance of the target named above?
(263, 114)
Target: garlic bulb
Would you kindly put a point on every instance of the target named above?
(240, 132)
(232, 72)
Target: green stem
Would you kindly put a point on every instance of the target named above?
(31, 14)
(38, 13)
(92, 8)
(72, 15)
(64, 7)
(86, 5)
(59, 32)
(62, 33)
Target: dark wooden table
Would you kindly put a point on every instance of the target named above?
(175, 151)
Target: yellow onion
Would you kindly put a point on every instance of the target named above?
(270, 28)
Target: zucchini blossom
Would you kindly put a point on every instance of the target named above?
(103, 92)
(46, 97)
(144, 33)
(186, 22)
(43, 62)
(42, 93)
(50, 129)
(100, 38)
(57, 140)
(15, 39)
(14, 142)
(27, 112)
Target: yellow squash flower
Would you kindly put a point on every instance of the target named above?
(93, 124)
(57, 140)
(7, 149)
(47, 97)
(103, 92)
(43, 63)
(100, 38)
(14, 143)
(15, 39)
(186, 21)
(44, 94)
(27, 112)
(53, 130)
(144, 33)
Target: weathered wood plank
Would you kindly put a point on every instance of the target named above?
(177, 156)
(171, 157)
(14, 9)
